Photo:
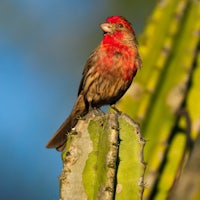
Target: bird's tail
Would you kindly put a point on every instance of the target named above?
(59, 139)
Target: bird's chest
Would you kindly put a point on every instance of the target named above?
(117, 61)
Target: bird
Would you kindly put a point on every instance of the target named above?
(107, 75)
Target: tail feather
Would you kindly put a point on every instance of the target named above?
(59, 139)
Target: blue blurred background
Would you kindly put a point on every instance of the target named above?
(43, 48)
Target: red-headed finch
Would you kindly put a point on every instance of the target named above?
(107, 75)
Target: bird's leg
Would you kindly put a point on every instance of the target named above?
(94, 110)
(90, 107)
(115, 109)
(125, 116)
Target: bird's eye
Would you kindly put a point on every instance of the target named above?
(120, 25)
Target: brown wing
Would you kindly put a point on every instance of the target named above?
(88, 65)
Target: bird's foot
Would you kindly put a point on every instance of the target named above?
(116, 109)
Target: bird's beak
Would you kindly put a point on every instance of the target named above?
(106, 27)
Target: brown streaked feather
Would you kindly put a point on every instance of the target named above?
(59, 139)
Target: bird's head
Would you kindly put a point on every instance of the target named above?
(118, 28)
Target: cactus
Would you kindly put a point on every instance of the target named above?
(104, 159)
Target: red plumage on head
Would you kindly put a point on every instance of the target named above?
(120, 20)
